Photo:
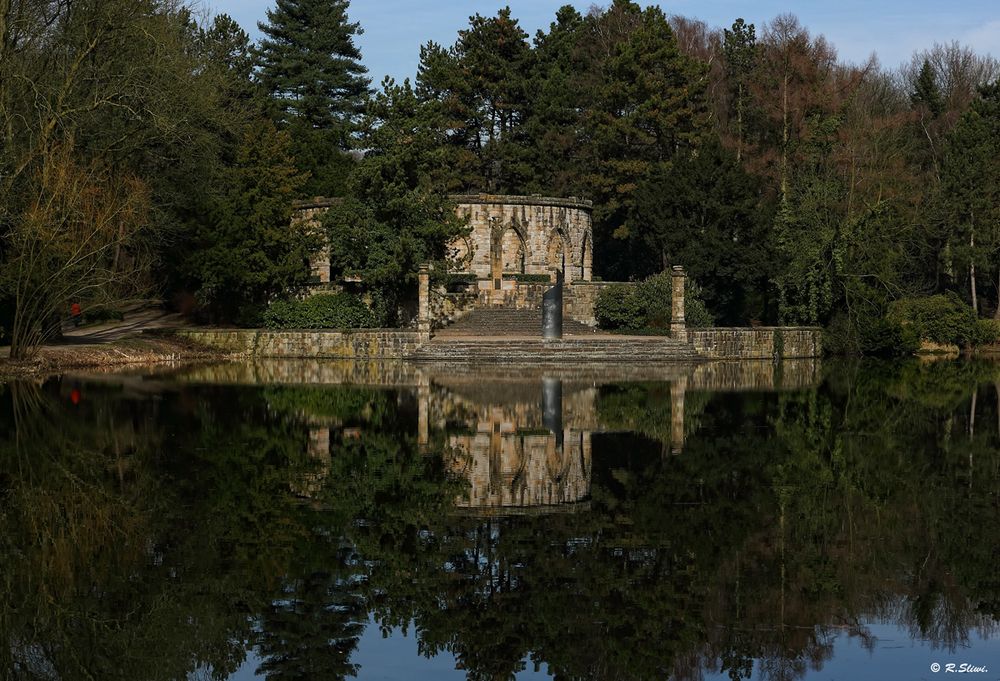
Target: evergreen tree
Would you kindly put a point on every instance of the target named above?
(396, 216)
(311, 68)
(555, 117)
(970, 191)
(926, 93)
(481, 85)
(740, 49)
(244, 254)
(643, 104)
(702, 212)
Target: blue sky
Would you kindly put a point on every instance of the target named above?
(894, 29)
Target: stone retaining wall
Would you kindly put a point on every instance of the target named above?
(368, 372)
(579, 299)
(360, 344)
(785, 342)
(721, 343)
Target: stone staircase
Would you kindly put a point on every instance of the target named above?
(507, 321)
(581, 350)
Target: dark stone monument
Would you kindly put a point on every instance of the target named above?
(552, 309)
(552, 407)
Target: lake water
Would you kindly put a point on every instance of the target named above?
(305, 520)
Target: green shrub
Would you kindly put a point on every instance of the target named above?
(617, 307)
(987, 331)
(323, 311)
(944, 319)
(454, 282)
(887, 337)
(102, 314)
(453, 278)
(647, 305)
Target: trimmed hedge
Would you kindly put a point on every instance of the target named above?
(323, 311)
(529, 278)
(646, 305)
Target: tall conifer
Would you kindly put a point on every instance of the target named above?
(311, 67)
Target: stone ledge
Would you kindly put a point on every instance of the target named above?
(517, 200)
(309, 344)
(762, 342)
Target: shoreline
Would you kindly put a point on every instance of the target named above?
(55, 359)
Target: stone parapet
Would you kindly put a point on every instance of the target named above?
(537, 200)
(579, 300)
(533, 235)
(359, 344)
(703, 344)
(786, 342)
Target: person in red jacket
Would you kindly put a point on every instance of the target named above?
(76, 313)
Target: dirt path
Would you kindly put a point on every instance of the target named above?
(110, 344)
(136, 319)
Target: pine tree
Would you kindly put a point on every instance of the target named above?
(310, 64)
(970, 189)
(244, 254)
(311, 68)
(740, 48)
(926, 93)
(481, 88)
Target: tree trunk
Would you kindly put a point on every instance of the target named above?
(972, 414)
(784, 138)
(972, 270)
(996, 313)
(739, 123)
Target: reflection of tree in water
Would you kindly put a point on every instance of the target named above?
(312, 629)
(788, 520)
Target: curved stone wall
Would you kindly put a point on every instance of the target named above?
(524, 235)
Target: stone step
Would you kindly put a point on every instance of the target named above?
(584, 350)
(507, 321)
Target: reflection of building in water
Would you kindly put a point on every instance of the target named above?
(319, 459)
(508, 466)
(513, 446)
(523, 441)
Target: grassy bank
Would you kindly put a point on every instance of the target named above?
(58, 358)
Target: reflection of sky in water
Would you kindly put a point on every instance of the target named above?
(894, 656)
(395, 659)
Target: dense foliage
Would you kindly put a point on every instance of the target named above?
(646, 305)
(943, 319)
(320, 311)
(147, 152)
(795, 189)
(317, 86)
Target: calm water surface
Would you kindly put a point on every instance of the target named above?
(331, 521)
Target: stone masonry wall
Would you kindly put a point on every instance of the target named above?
(360, 344)
(528, 230)
(722, 343)
(579, 299)
(307, 215)
(757, 343)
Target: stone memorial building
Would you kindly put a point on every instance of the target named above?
(510, 236)
(524, 235)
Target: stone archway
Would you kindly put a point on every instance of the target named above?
(556, 254)
(507, 254)
(513, 249)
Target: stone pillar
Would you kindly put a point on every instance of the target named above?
(552, 310)
(423, 412)
(677, 390)
(677, 327)
(424, 303)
